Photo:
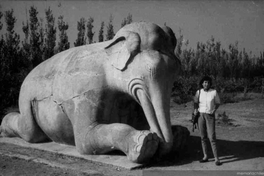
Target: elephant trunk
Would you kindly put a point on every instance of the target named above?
(161, 104)
(157, 112)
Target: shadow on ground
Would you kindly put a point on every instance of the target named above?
(229, 151)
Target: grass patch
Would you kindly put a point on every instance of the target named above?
(224, 120)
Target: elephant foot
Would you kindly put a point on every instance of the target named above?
(180, 138)
(145, 147)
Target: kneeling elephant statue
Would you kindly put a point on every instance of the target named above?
(93, 96)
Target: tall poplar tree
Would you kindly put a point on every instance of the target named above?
(63, 43)
(36, 41)
(50, 35)
(25, 49)
(110, 29)
(90, 33)
(101, 33)
(81, 40)
(26, 42)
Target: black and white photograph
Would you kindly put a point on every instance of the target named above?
(131, 87)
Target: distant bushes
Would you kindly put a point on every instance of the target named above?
(233, 71)
(184, 88)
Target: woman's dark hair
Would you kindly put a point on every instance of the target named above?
(206, 78)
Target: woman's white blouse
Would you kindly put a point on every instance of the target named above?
(207, 100)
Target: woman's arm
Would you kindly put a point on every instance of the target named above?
(216, 107)
(217, 102)
(195, 103)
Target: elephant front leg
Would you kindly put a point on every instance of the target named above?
(92, 137)
(139, 146)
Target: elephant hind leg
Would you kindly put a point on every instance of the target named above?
(8, 126)
(22, 125)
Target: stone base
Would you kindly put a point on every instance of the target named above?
(116, 160)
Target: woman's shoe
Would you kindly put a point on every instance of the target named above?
(203, 160)
(218, 163)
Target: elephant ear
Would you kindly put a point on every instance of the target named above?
(122, 49)
(171, 34)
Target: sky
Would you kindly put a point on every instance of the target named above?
(198, 20)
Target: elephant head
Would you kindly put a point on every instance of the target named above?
(144, 65)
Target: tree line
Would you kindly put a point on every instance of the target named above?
(232, 70)
(45, 37)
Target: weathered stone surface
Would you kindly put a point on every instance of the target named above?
(102, 97)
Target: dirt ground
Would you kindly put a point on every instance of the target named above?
(240, 143)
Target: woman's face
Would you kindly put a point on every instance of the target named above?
(206, 85)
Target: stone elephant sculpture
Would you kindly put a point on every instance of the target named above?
(77, 97)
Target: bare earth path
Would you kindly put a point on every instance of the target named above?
(241, 148)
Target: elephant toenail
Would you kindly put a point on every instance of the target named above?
(140, 135)
(138, 148)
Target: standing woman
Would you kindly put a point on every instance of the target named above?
(207, 105)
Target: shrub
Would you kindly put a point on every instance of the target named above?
(224, 120)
